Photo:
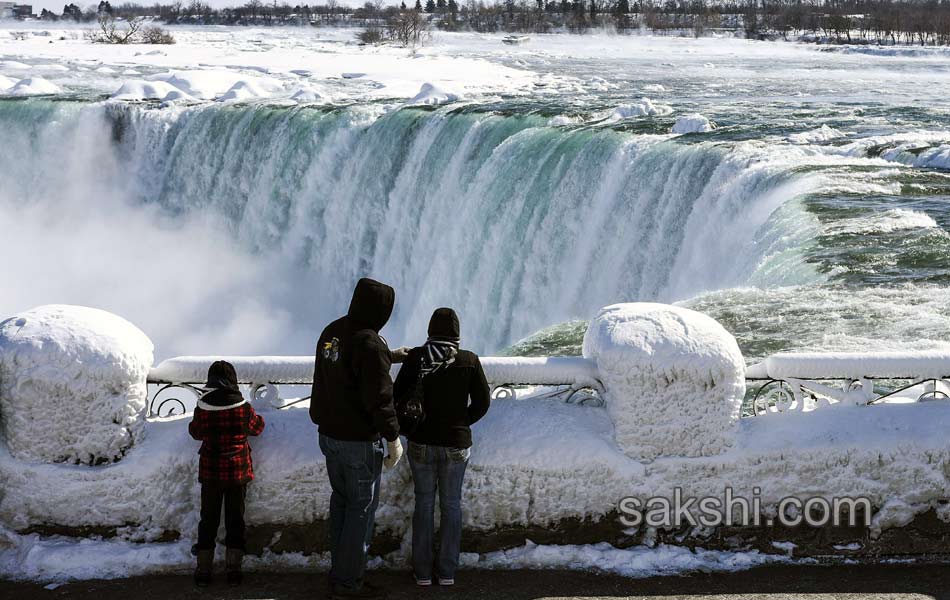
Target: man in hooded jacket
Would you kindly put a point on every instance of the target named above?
(352, 405)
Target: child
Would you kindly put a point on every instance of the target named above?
(223, 420)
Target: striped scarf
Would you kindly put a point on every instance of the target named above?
(437, 353)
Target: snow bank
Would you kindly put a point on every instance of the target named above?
(639, 561)
(138, 89)
(643, 108)
(214, 84)
(692, 123)
(34, 86)
(431, 95)
(674, 379)
(72, 384)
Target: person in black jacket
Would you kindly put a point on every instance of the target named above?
(455, 396)
(352, 405)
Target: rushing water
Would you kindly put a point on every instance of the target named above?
(812, 223)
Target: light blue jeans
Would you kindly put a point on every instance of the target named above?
(443, 469)
(354, 469)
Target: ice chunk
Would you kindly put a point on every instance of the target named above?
(307, 95)
(72, 384)
(692, 123)
(822, 134)
(644, 108)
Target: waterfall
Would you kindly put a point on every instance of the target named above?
(516, 224)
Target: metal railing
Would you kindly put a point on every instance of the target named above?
(177, 381)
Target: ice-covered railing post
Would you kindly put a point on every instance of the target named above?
(72, 384)
(674, 379)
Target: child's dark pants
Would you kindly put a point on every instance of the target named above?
(212, 495)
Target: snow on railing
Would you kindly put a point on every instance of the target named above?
(572, 379)
(789, 381)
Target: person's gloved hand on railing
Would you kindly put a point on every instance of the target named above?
(395, 453)
(399, 354)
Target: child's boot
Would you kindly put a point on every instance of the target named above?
(233, 558)
(203, 570)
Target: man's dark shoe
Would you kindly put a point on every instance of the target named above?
(367, 592)
(232, 560)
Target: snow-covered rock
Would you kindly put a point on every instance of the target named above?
(72, 384)
(692, 123)
(432, 95)
(34, 86)
(674, 379)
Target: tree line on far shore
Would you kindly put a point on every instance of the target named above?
(886, 22)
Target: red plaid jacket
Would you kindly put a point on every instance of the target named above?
(225, 453)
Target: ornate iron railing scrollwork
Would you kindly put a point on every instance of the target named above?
(569, 394)
(790, 394)
(173, 401)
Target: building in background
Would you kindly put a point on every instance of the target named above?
(11, 10)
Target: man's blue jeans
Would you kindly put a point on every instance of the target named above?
(354, 469)
(437, 467)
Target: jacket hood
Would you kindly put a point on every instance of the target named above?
(444, 324)
(221, 389)
(372, 304)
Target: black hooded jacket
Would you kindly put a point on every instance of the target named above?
(456, 396)
(352, 395)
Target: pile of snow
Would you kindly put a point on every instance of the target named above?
(34, 86)
(692, 123)
(822, 134)
(674, 379)
(432, 95)
(72, 384)
(639, 561)
(654, 87)
(6, 83)
(138, 89)
(242, 91)
(644, 108)
(214, 84)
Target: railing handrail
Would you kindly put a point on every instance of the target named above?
(298, 370)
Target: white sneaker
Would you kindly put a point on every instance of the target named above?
(423, 582)
(446, 581)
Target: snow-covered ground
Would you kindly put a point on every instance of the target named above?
(231, 64)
